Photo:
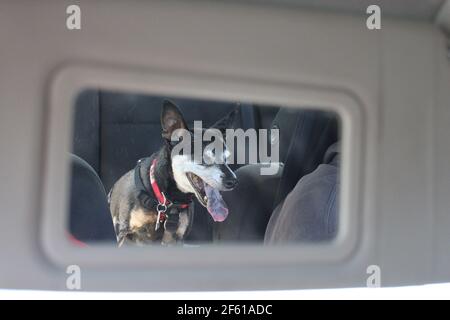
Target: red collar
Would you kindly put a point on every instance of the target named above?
(163, 202)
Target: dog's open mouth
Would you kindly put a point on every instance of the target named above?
(208, 197)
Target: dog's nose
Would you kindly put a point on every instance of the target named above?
(230, 182)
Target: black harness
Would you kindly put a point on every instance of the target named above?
(168, 211)
(145, 196)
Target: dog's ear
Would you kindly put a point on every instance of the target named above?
(171, 119)
(229, 121)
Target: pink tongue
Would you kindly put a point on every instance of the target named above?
(217, 208)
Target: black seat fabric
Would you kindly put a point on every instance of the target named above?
(90, 218)
(86, 132)
(249, 205)
(304, 137)
(310, 211)
(113, 130)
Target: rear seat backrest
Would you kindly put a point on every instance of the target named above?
(86, 131)
(114, 130)
(89, 216)
(131, 129)
(305, 135)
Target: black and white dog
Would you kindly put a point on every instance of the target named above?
(153, 202)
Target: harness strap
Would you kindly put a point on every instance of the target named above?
(170, 218)
(162, 199)
(144, 197)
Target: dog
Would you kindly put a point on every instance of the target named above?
(152, 204)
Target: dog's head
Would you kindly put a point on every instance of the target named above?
(197, 167)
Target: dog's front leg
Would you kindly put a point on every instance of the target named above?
(169, 238)
(182, 225)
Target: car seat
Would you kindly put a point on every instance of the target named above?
(89, 215)
(304, 136)
(309, 213)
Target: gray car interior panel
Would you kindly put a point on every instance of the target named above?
(389, 87)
